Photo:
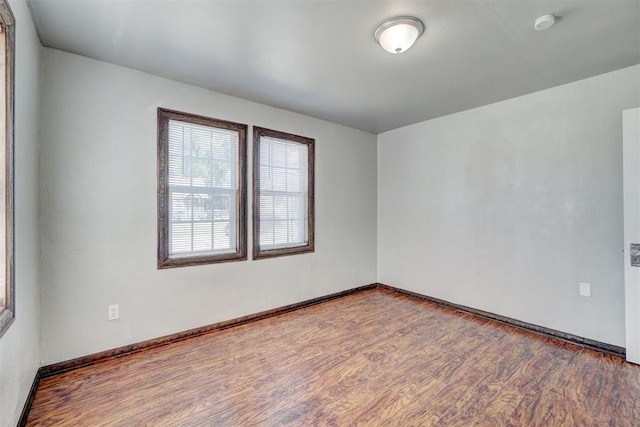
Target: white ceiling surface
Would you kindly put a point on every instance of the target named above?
(318, 57)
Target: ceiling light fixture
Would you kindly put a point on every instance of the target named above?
(398, 34)
(544, 22)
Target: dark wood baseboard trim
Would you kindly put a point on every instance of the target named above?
(58, 368)
(547, 332)
(22, 421)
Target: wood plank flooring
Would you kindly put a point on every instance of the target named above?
(372, 358)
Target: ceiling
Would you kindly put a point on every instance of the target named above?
(318, 57)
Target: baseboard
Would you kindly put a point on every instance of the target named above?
(22, 421)
(547, 332)
(58, 368)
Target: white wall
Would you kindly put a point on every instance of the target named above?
(507, 207)
(19, 346)
(98, 208)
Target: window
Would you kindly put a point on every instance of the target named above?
(283, 202)
(202, 192)
(7, 285)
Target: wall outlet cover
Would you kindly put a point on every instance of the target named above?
(585, 289)
(113, 312)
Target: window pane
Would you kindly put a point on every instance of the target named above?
(181, 207)
(266, 182)
(294, 156)
(222, 172)
(222, 144)
(295, 231)
(222, 235)
(181, 238)
(200, 172)
(278, 153)
(200, 155)
(280, 233)
(266, 207)
(296, 207)
(279, 179)
(202, 236)
(221, 207)
(280, 208)
(266, 233)
(179, 170)
(293, 180)
(202, 207)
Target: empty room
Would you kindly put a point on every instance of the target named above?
(320, 212)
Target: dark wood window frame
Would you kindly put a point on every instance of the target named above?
(8, 308)
(258, 252)
(164, 258)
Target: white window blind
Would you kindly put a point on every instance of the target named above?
(284, 193)
(203, 189)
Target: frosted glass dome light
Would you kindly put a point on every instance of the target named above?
(544, 22)
(397, 35)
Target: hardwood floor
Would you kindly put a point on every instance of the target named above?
(372, 358)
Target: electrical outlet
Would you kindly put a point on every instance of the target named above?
(585, 289)
(114, 312)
